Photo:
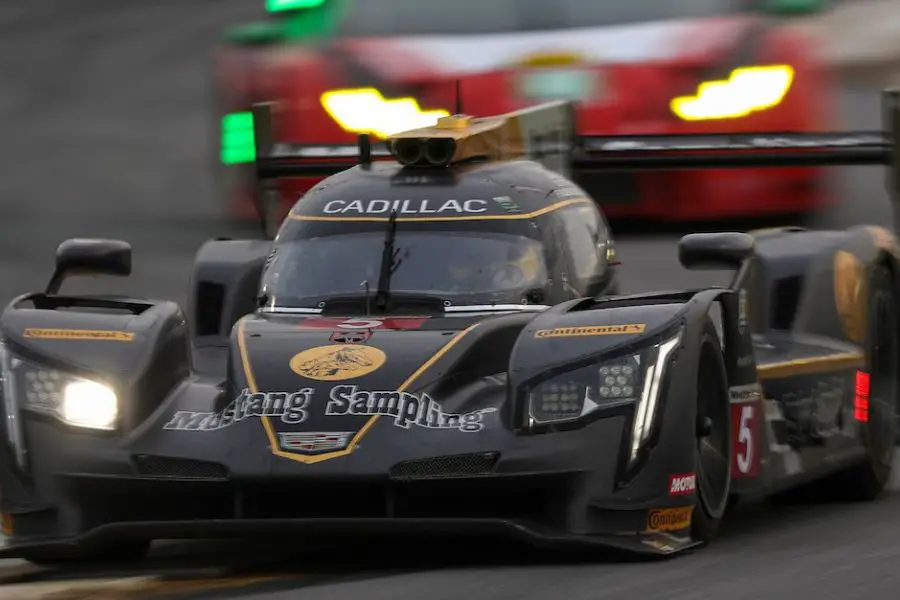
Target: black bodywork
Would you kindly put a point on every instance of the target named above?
(224, 429)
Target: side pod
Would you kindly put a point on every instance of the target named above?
(223, 287)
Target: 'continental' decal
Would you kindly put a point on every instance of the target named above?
(338, 362)
(669, 519)
(79, 334)
(629, 329)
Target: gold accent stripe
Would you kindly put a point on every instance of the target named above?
(245, 358)
(812, 365)
(270, 430)
(129, 587)
(510, 217)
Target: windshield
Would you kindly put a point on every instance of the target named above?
(430, 17)
(462, 268)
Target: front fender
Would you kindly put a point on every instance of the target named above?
(576, 331)
(224, 287)
(594, 329)
(141, 347)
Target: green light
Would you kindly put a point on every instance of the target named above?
(238, 141)
(283, 5)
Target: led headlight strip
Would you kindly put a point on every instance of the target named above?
(574, 395)
(645, 412)
(11, 407)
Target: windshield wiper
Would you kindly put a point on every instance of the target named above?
(389, 264)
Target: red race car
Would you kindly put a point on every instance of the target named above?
(338, 68)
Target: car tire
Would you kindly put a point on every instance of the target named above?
(868, 479)
(122, 552)
(713, 435)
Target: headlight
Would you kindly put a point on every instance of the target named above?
(74, 400)
(365, 110)
(747, 90)
(578, 393)
(89, 404)
(630, 380)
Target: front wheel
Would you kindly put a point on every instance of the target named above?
(713, 439)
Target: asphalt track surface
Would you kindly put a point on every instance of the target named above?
(105, 132)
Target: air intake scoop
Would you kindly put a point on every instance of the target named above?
(460, 138)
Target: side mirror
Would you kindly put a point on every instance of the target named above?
(90, 257)
(793, 7)
(715, 251)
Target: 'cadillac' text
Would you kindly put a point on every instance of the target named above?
(404, 207)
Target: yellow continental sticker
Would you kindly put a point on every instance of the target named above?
(849, 294)
(628, 329)
(338, 362)
(79, 334)
(669, 519)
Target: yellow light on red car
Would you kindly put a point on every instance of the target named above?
(747, 90)
(365, 110)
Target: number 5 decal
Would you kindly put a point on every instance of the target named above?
(745, 426)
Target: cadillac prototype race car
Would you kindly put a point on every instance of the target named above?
(338, 68)
(433, 346)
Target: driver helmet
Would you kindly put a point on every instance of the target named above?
(520, 267)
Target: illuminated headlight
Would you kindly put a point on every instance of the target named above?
(89, 404)
(74, 400)
(579, 393)
(747, 90)
(365, 110)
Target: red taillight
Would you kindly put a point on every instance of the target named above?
(861, 399)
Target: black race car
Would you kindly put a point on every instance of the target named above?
(430, 346)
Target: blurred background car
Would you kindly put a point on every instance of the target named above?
(338, 68)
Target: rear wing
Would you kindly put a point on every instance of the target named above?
(554, 142)
(545, 133)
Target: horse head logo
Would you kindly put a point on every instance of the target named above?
(336, 363)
